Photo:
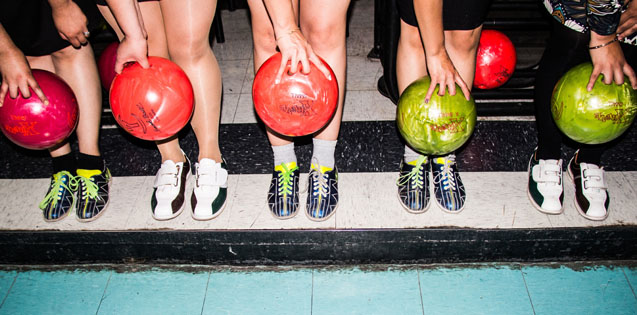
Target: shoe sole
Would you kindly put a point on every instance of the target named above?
(412, 211)
(533, 203)
(307, 214)
(581, 212)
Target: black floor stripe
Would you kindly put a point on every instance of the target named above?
(372, 146)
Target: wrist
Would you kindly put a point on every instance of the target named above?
(285, 33)
(597, 39)
(56, 4)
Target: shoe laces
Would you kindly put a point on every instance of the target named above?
(285, 179)
(416, 176)
(57, 186)
(319, 183)
(90, 188)
(446, 175)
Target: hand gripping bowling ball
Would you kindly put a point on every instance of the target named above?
(594, 117)
(300, 104)
(495, 60)
(106, 64)
(29, 123)
(438, 127)
(154, 103)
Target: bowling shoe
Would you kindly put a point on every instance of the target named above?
(60, 197)
(545, 188)
(448, 187)
(211, 189)
(168, 198)
(322, 194)
(591, 192)
(92, 193)
(283, 196)
(413, 185)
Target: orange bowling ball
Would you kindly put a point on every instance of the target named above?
(300, 104)
(154, 103)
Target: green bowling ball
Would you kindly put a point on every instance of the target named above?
(438, 127)
(594, 117)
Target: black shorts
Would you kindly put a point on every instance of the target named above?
(456, 14)
(30, 25)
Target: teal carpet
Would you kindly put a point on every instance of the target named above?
(441, 289)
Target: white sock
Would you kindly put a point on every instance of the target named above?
(283, 154)
(410, 155)
(324, 152)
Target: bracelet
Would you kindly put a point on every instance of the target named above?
(290, 32)
(604, 45)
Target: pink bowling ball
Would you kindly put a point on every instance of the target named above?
(29, 123)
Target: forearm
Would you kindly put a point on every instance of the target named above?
(6, 44)
(282, 16)
(429, 17)
(125, 12)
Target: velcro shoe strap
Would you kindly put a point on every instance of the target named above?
(594, 178)
(546, 173)
(217, 178)
(166, 179)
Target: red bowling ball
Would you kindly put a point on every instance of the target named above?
(106, 64)
(154, 103)
(495, 61)
(300, 104)
(29, 123)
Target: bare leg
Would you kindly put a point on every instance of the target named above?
(46, 63)
(323, 22)
(462, 47)
(157, 46)
(77, 67)
(264, 48)
(153, 22)
(411, 63)
(187, 25)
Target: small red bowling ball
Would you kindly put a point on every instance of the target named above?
(495, 61)
(29, 123)
(106, 64)
(300, 104)
(153, 103)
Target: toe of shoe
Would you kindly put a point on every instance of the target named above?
(551, 206)
(163, 212)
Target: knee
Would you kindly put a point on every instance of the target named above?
(188, 49)
(463, 42)
(410, 39)
(263, 39)
(325, 38)
(70, 53)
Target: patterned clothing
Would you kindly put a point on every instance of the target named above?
(600, 16)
